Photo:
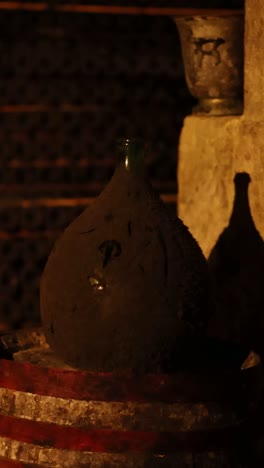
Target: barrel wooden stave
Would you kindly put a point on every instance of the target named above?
(51, 417)
(130, 416)
(35, 456)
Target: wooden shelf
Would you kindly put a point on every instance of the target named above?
(116, 10)
(64, 202)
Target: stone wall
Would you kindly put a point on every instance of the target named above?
(213, 149)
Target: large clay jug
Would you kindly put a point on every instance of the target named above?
(125, 282)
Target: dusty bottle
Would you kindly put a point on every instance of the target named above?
(125, 282)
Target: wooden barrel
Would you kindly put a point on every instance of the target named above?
(53, 415)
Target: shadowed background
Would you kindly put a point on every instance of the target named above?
(71, 84)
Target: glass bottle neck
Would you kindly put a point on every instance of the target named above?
(131, 153)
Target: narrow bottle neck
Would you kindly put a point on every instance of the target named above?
(131, 154)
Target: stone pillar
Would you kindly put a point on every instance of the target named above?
(213, 149)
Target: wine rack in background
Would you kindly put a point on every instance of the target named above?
(70, 85)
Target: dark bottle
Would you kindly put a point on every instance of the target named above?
(236, 266)
(125, 282)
